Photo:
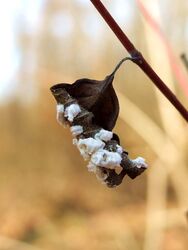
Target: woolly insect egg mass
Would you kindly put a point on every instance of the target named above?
(90, 108)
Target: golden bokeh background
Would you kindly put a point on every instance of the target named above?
(48, 199)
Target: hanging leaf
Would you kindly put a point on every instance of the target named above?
(97, 97)
(94, 107)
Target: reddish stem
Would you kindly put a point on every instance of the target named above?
(139, 59)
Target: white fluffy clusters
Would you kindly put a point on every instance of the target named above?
(76, 130)
(89, 146)
(104, 135)
(101, 159)
(140, 162)
(105, 158)
(93, 148)
(72, 111)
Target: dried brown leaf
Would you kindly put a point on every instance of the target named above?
(97, 97)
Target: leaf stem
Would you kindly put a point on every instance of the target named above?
(140, 60)
(120, 63)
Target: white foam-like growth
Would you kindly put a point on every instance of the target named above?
(72, 111)
(60, 113)
(76, 130)
(89, 146)
(104, 135)
(105, 158)
(140, 162)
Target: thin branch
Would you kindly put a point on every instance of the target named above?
(140, 60)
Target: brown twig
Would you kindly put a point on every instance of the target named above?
(139, 59)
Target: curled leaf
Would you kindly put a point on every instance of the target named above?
(98, 97)
(90, 108)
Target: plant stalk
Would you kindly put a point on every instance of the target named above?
(139, 59)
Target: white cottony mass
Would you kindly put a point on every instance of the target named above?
(72, 111)
(101, 159)
(105, 158)
(76, 130)
(104, 135)
(140, 162)
(89, 146)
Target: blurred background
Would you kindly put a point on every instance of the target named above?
(48, 200)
